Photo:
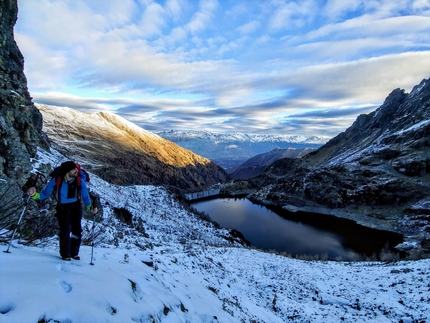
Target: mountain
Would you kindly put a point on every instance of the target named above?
(123, 153)
(164, 264)
(154, 259)
(376, 172)
(257, 164)
(229, 150)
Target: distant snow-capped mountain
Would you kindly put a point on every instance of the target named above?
(232, 149)
(235, 136)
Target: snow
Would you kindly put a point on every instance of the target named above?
(177, 135)
(418, 88)
(181, 269)
(14, 92)
(211, 285)
(414, 127)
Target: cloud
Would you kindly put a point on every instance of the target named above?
(337, 9)
(61, 26)
(249, 27)
(368, 26)
(203, 17)
(254, 66)
(152, 20)
(323, 90)
(290, 15)
(174, 8)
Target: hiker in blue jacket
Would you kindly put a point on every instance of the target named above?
(70, 193)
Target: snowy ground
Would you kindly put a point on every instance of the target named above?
(181, 269)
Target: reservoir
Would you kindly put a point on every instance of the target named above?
(297, 234)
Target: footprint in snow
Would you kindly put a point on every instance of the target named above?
(6, 308)
(67, 288)
(63, 268)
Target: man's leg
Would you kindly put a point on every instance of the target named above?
(76, 217)
(64, 223)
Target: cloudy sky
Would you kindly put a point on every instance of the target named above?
(253, 66)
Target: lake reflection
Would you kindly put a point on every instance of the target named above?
(268, 231)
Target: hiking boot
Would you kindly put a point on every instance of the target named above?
(76, 257)
(66, 258)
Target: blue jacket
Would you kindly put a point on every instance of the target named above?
(64, 199)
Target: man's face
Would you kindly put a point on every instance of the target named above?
(73, 173)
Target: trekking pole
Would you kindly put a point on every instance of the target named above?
(92, 242)
(19, 222)
(30, 182)
(93, 203)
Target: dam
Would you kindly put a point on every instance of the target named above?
(202, 194)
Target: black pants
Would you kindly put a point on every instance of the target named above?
(69, 218)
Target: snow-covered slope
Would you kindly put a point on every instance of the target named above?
(206, 285)
(68, 125)
(123, 152)
(170, 266)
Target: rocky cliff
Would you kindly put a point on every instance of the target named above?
(20, 121)
(376, 172)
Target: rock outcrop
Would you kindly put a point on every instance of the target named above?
(376, 172)
(20, 121)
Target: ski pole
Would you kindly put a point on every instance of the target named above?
(19, 222)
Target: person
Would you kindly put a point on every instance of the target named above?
(69, 206)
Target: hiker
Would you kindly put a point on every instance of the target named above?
(69, 183)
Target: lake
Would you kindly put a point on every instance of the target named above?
(298, 233)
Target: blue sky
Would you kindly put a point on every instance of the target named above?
(304, 67)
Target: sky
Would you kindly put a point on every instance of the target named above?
(178, 268)
(307, 67)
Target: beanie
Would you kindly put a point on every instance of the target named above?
(67, 167)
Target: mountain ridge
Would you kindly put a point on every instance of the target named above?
(227, 136)
(256, 165)
(376, 172)
(229, 150)
(124, 153)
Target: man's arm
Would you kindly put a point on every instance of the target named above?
(46, 192)
(84, 193)
(86, 197)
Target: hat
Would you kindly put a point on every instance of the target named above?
(67, 167)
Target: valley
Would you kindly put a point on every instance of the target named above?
(230, 150)
(156, 260)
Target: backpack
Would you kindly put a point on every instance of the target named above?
(82, 173)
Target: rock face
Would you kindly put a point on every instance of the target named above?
(376, 172)
(122, 153)
(20, 121)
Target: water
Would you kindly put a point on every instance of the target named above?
(297, 233)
